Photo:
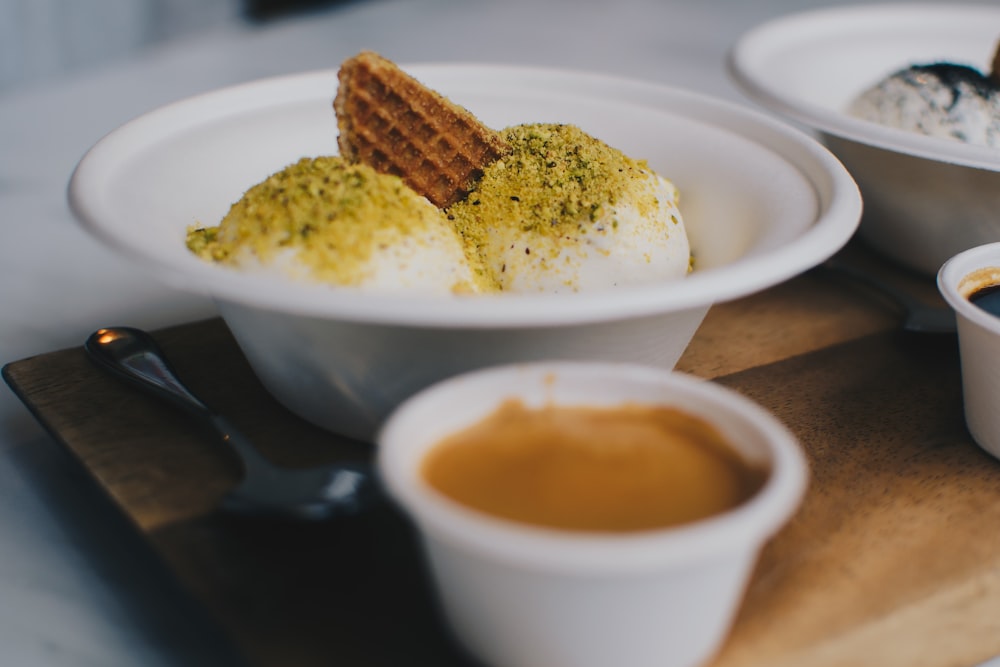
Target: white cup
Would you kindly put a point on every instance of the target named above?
(523, 596)
(978, 339)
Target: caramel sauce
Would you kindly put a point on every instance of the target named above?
(626, 468)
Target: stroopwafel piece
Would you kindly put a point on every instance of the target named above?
(393, 123)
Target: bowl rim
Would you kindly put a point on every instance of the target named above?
(744, 527)
(754, 81)
(952, 272)
(837, 218)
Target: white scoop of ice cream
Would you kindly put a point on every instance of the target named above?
(942, 100)
(562, 212)
(344, 224)
(565, 212)
(427, 262)
(625, 245)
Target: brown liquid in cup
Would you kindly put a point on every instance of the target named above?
(626, 468)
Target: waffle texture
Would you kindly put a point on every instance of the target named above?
(393, 123)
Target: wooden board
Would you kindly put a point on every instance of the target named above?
(893, 558)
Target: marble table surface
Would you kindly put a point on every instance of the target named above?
(77, 586)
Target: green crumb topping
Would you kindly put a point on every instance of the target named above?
(344, 223)
(556, 181)
(330, 214)
(203, 241)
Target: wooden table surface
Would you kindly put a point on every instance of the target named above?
(892, 559)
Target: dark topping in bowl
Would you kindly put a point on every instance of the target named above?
(953, 77)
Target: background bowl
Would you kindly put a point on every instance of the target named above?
(762, 203)
(925, 198)
(523, 595)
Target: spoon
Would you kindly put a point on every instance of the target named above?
(307, 494)
(917, 315)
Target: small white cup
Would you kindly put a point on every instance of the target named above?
(978, 339)
(523, 596)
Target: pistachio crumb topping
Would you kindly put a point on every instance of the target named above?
(331, 214)
(555, 182)
(340, 222)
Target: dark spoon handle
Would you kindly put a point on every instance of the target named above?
(319, 493)
(133, 355)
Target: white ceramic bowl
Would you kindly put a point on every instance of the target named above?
(926, 199)
(762, 203)
(521, 596)
(978, 340)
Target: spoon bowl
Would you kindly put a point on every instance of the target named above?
(917, 316)
(308, 494)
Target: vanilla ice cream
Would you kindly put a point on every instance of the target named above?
(562, 212)
(565, 212)
(344, 224)
(941, 100)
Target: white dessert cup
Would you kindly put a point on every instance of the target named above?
(518, 595)
(978, 340)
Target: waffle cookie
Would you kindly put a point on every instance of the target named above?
(393, 123)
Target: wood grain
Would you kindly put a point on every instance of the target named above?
(887, 561)
(892, 560)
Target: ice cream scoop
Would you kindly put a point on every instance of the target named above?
(565, 212)
(947, 100)
(325, 220)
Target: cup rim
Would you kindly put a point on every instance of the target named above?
(743, 527)
(958, 267)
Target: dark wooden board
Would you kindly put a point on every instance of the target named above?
(893, 559)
